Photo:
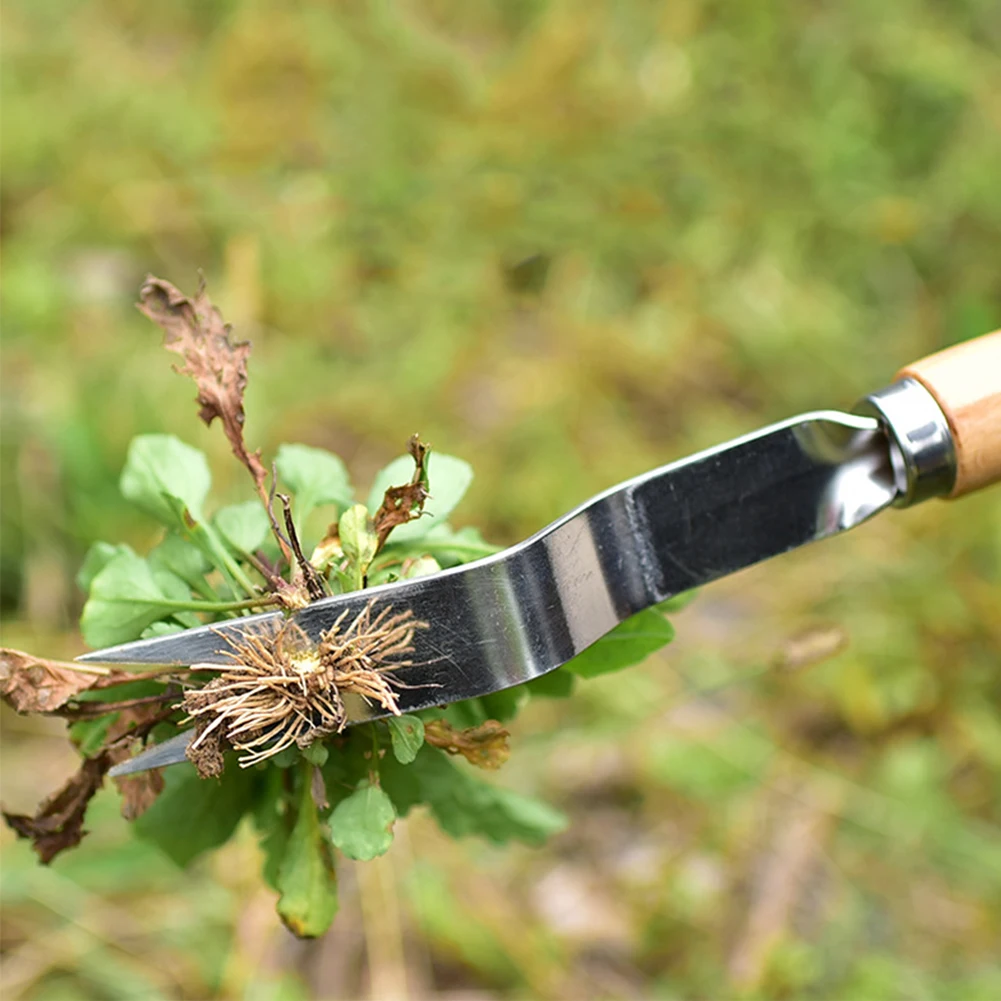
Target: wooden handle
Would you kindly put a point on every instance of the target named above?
(966, 383)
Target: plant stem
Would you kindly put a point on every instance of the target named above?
(205, 606)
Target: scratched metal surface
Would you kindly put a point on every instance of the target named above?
(511, 617)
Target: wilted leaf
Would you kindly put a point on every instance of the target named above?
(361, 825)
(315, 476)
(244, 526)
(35, 685)
(58, 822)
(485, 746)
(400, 504)
(194, 329)
(463, 804)
(628, 643)
(124, 599)
(407, 735)
(160, 467)
(192, 815)
(139, 791)
(306, 878)
(393, 507)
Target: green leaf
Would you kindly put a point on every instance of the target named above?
(181, 558)
(628, 643)
(244, 526)
(358, 541)
(449, 479)
(449, 547)
(98, 557)
(192, 815)
(678, 601)
(160, 628)
(501, 706)
(315, 476)
(89, 734)
(306, 879)
(464, 805)
(407, 735)
(423, 566)
(125, 598)
(556, 684)
(316, 754)
(361, 825)
(159, 467)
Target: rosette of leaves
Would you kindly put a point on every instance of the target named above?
(310, 793)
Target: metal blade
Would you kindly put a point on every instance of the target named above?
(511, 617)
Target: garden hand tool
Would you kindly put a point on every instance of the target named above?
(511, 617)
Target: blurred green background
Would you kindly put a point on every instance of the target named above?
(568, 242)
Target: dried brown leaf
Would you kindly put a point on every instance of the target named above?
(139, 791)
(195, 329)
(405, 503)
(33, 684)
(485, 746)
(58, 821)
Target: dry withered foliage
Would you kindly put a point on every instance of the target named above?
(58, 821)
(283, 689)
(403, 504)
(195, 330)
(32, 684)
(485, 746)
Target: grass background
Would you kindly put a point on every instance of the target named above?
(568, 242)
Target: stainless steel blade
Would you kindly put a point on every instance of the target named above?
(511, 617)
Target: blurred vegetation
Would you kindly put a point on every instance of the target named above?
(568, 242)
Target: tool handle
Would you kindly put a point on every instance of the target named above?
(966, 383)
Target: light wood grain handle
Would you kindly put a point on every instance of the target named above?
(966, 383)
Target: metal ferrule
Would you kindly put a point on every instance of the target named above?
(922, 451)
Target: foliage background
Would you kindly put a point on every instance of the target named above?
(568, 242)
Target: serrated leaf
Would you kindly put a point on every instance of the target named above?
(361, 825)
(98, 557)
(306, 878)
(407, 735)
(628, 643)
(244, 526)
(159, 467)
(448, 478)
(125, 598)
(315, 476)
(464, 805)
(192, 815)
